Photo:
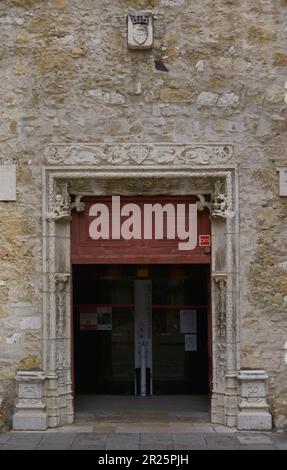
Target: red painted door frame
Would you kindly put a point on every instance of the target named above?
(84, 250)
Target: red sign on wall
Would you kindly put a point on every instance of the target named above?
(89, 250)
(204, 240)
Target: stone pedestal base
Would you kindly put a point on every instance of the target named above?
(30, 420)
(30, 410)
(251, 421)
(254, 412)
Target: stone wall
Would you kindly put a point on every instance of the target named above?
(67, 75)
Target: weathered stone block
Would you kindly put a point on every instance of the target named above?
(228, 100)
(26, 420)
(207, 99)
(282, 180)
(279, 59)
(7, 183)
(30, 323)
(250, 421)
(174, 95)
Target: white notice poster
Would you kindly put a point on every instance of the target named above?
(190, 343)
(104, 318)
(188, 321)
(88, 321)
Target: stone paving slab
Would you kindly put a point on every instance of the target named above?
(254, 439)
(54, 440)
(142, 440)
(219, 442)
(123, 442)
(189, 441)
(259, 447)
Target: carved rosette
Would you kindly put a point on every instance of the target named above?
(139, 154)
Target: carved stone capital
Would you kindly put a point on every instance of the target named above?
(219, 278)
(61, 280)
(219, 205)
(60, 204)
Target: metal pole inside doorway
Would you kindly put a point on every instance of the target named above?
(143, 336)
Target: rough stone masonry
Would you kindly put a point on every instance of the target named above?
(67, 76)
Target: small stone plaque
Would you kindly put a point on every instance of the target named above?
(140, 30)
(7, 182)
(282, 180)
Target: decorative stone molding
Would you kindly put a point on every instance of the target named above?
(139, 154)
(30, 409)
(220, 361)
(61, 281)
(77, 204)
(202, 203)
(254, 411)
(220, 281)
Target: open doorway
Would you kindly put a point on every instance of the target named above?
(141, 329)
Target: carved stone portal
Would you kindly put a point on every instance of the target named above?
(74, 170)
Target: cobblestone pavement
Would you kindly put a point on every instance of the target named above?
(70, 440)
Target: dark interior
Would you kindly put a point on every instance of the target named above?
(104, 350)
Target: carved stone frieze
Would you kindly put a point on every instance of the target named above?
(139, 154)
